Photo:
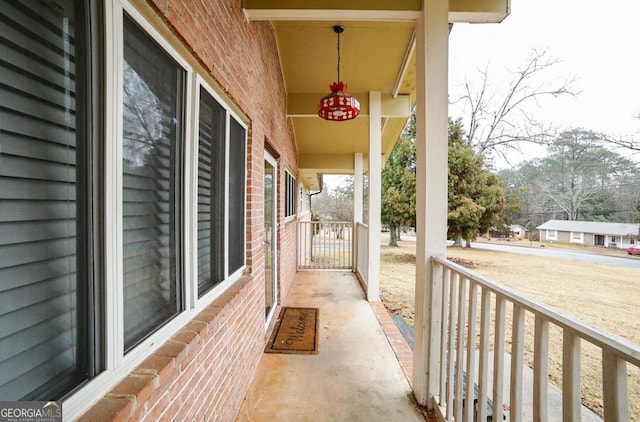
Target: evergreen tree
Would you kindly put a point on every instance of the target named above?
(399, 184)
(475, 195)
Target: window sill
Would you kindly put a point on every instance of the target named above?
(139, 393)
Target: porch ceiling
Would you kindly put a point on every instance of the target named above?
(377, 54)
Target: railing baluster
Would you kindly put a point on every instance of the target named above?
(616, 394)
(617, 353)
(299, 242)
(517, 348)
(446, 273)
(460, 348)
(453, 309)
(330, 239)
(340, 248)
(485, 320)
(541, 370)
(571, 398)
(498, 358)
(471, 350)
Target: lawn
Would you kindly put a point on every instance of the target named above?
(604, 296)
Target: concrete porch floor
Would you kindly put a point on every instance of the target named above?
(355, 376)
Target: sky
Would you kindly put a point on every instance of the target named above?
(596, 42)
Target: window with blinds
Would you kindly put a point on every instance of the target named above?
(237, 180)
(221, 193)
(211, 192)
(153, 95)
(290, 195)
(54, 300)
(47, 182)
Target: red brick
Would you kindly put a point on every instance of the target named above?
(177, 350)
(139, 387)
(162, 367)
(110, 409)
(243, 61)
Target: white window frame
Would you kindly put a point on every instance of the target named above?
(290, 196)
(192, 211)
(552, 235)
(577, 237)
(117, 363)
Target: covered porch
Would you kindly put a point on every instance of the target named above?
(395, 57)
(364, 367)
(357, 374)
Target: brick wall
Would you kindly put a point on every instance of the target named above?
(203, 371)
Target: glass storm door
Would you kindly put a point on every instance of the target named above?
(270, 241)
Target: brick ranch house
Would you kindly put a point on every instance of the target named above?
(591, 233)
(154, 161)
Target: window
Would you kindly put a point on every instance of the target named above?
(303, 203)
(153, 92)
(552, 235)
(48, 186)
(214, 210)
(577, 237)
(74, 303)
(211, 192)
(237, 179)
(290, 195)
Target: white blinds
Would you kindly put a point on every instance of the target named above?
(211, 192)
(237, 183)
(39, 184)
(153, 119)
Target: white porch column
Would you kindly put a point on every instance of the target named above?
(375, 194)
(432, 36)
(358, 186)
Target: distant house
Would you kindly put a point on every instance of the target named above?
(518, 231)
(513, 231)
(614, 235)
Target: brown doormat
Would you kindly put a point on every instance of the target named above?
(296, 332)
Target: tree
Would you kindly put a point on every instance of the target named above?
(399, 184)
(499, 119)
(337, 204)
(475, 195)
(513, 204)
(578, 180)
(342, 201)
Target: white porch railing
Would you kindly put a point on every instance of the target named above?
(474, 318)
(362, 251)
(325, 245)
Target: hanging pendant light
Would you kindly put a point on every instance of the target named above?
(338, 105)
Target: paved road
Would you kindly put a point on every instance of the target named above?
(631, 262)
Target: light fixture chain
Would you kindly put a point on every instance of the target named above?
(338, 58)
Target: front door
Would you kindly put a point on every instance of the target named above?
(270, 241)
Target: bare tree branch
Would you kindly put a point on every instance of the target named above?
(499, 121)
